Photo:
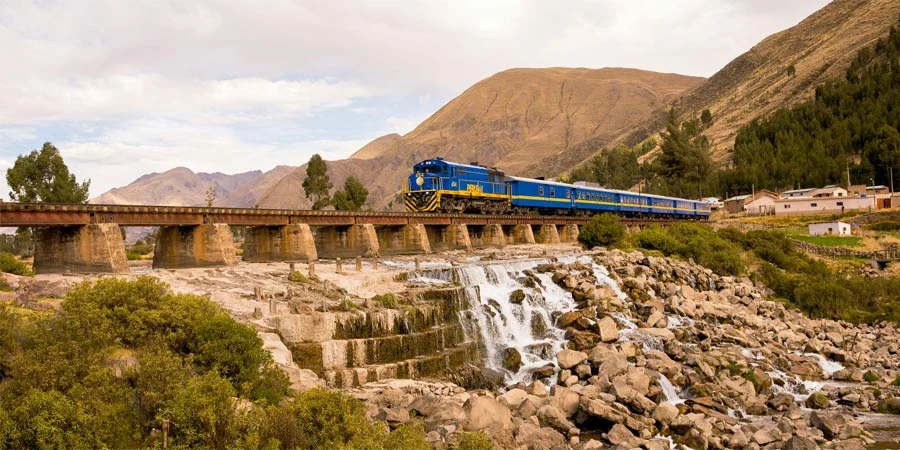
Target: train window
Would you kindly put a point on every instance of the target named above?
(462, 171)
(540, 190)
(568, 193)
(552, 192)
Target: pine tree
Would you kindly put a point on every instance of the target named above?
(317, 184)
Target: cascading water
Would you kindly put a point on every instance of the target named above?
(669, 390)
(524, 324)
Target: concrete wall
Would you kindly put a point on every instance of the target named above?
(547, 234)
(830, 228)
(448, 237)
(348, 241)
(568, 233)
(519, 234)
(280, 243)
(826, 205)
(486, 236)
(403, 239)
(80, 249)
(194, 246)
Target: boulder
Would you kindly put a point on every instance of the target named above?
(607, 329)
(517, 296)
(512, 359)
(513, 398)
(568, 359)
(567, 319)
(436, 409)
(486, 413)
(619, 434)
(552, 416)
(665, 413)
(394, 417)
(537, 389)
(830, 423)
(817, 400)
(534, 437)
(766, 435)
(800, 443)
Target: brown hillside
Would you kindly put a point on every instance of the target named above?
(377, 147)
(820, 48)
(509, 120)
(179, 186)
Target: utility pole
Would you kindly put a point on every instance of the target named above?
(848, 177)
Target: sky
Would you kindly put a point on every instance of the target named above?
(125, 88)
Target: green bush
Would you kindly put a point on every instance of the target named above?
(10, 264)
(386, 300)
(656, 238)
(885, 226)
(603, 230)
(696, 241)
(871, 377)
(473, 441)
(297, 277)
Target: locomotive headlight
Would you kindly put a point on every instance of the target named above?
(420, 181)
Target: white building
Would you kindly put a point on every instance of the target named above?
(829, 228)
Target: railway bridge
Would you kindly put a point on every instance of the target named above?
(85, 238)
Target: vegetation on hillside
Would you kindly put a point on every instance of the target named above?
(121, 357)
(352, 197)
(792, 275)
(850, 123)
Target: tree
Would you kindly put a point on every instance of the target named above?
(352, 197)
(210, 196)
(42, 176)
(684, 162)
(706, 118)
(317, 184)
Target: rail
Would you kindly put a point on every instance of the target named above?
(61, 214)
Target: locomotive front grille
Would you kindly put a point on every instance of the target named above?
(421, 201)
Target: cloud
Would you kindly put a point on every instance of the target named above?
(126, 88)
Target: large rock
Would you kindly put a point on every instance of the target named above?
(800, 443)
(619, 434)
(830, 423)
(513, 398)
(553, 417)
(533, 437)
(766, 435)
(665, 413)
(608, 329)
(570, 358)
(486, 413)
(512, 359)
(817, 400)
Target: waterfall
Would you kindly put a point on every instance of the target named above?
(527, 325)
(828, 366)
(669, 390)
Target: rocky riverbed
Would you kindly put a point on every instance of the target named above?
(667, 354)
(598, 350)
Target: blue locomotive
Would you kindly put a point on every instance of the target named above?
(436, 185)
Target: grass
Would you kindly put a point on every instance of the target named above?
(831, 241)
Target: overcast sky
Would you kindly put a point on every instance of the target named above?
(125, 88)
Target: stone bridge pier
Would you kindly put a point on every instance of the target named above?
(546, 234)
(402, 239)
(346, 241)
(483, 236)
(448, 237)
(80, 249)
(568, 233)
(518, 234)
(206, 245)
(293, 242)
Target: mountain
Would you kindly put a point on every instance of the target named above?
(509, 120)
(181, 186)
(785, 68)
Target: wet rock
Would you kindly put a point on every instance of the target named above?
(512, 359)
(542, 373)
(817, 400)
(568, 359)
(566, 319)
(830, 423)
(517, 296)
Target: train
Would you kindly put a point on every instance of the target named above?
(437, 185)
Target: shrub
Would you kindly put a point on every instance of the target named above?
(473, 441)
(603, 230)
(896, 381)
(10, 264)
(386, 300)
(885, 226)
(656, 238)
(871, 377)
(297, 277)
